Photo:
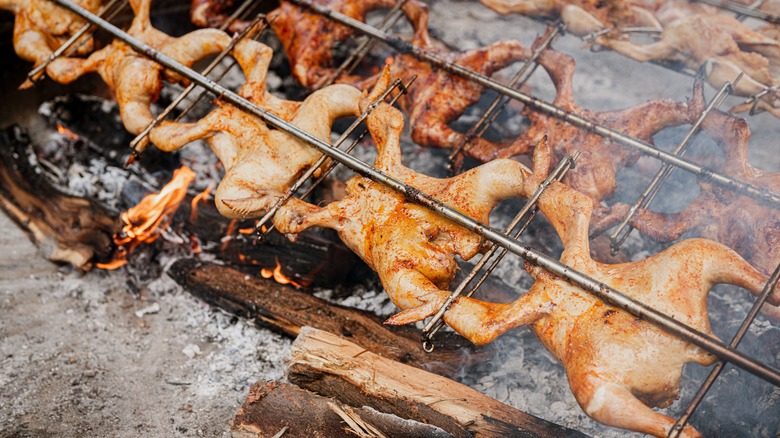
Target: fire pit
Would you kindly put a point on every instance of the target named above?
(520, 373)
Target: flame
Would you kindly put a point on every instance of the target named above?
(67, 132)
(146, 221)
(277, 275)
(197, 200)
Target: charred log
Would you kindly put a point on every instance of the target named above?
(286, 309)
(273, 407)
(332, 366)
(65, 228)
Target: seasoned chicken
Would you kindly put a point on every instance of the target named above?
(740, 222)
(724, 45)
(260, 163)
(213, 13)
(41, 27)
(135, 79)
(411, 248)
(436, 97)
(309, 39)
(597, 167)
(580, 17)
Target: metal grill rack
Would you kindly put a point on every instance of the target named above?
(502, 239)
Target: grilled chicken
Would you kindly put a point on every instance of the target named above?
(580, 17)
(411, 248)
(720, 43)
(309, 39)
(213, 13)
(260, 163)
(135, 79)
(436, 97)
(41, 27)
(738, 221)
(597, 167)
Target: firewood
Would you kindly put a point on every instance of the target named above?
(286, 309)
(273, 407)
(335, 367)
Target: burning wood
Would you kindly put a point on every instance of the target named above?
(151, 217)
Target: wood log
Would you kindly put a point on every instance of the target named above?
(286, 309)
(332, 366)
(273, 408)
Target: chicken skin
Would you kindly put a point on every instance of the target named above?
(309, 39)
(721, 43)
(213, 13)
(41, 27)
(411, 248)
(135, 79)
(580, 17)
(597, 167)
(260, 163)
(740, 222)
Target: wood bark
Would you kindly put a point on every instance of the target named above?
(335, 367)
(273, 408)
(286, 309)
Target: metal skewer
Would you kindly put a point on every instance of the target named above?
(498, 104)
(604, 292)
(707, 384)
(362, 50)
(751, 190)
(313, 169)
(525, 215)
(36, 74)
(747, 11)
(617, 237)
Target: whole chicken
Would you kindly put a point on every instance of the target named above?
(135, 79)
(309, 39)
(437, 98)
(724, 45)
(738, 221)
(580, 17)
(596, 172)
(260, 163)
(41, 27)
(411, 248)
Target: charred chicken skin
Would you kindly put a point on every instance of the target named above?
(738, 221)
(724, 45)
(411, 248)
(309, 39)
(41, 27)
(580, 17)
(596, 172)
(135, 79)
(260, 163)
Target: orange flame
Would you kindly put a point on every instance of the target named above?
(67, 132)
(146, 221)
(277, 275)
(196, 200)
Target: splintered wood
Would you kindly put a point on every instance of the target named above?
(332, 366)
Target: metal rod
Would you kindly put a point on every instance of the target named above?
(402, 46)
(600, 290)
(332, 165)
(367, 44)
(310, 172)
(35, 74)
(617, 237)
(436, 322)
(498, 104)
(707, 384)
(139, 141)
(743, 10)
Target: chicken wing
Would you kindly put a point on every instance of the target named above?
(597, 167)
(260, 163)
(41, 27)
(135, 79)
